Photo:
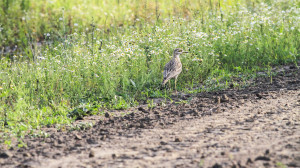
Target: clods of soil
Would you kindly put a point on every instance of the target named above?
(257, 126)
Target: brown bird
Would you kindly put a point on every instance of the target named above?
(173, 68)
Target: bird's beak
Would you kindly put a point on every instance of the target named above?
(185, 52)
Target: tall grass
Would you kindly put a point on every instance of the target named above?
(115, 67)
(26, 20)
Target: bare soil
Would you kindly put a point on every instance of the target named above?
(257, 126)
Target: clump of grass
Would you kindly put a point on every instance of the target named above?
(87, 65)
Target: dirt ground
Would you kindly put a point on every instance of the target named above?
(257, 126)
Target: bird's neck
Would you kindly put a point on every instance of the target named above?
(176, 56)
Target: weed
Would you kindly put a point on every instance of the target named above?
(81, 126)
(150, 104)
(280, 165)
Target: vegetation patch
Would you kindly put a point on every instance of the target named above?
(73, 58)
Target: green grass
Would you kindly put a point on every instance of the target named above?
(27, 20)
(94, 61)
(280, 165)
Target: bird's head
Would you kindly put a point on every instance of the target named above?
(179, 51)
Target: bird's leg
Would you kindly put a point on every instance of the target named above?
(175, 84)
(169, 84)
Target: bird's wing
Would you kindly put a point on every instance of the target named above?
(169, 67)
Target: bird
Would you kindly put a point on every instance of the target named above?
(173, 68)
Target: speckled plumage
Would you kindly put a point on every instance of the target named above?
(173, 68)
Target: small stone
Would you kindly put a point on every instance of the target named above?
(91, 141)
(216, 165)
(103, 138)
(5, 155)
(48, 140)
(78, 137)
(78, 144)
(142, 110)
(292, 67)
(60, 140)
(92, 154)
(163, 143)
(142, 125)
(218, 100)
(295, 163)
(26, 154)
(224, 98)
(113, 156)
(259, 95)
(107, 115)
(264, 158)
(267, 152)
(249, 161)
(289, 146)
(216, 110)
(177, 139)
(249, 120)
